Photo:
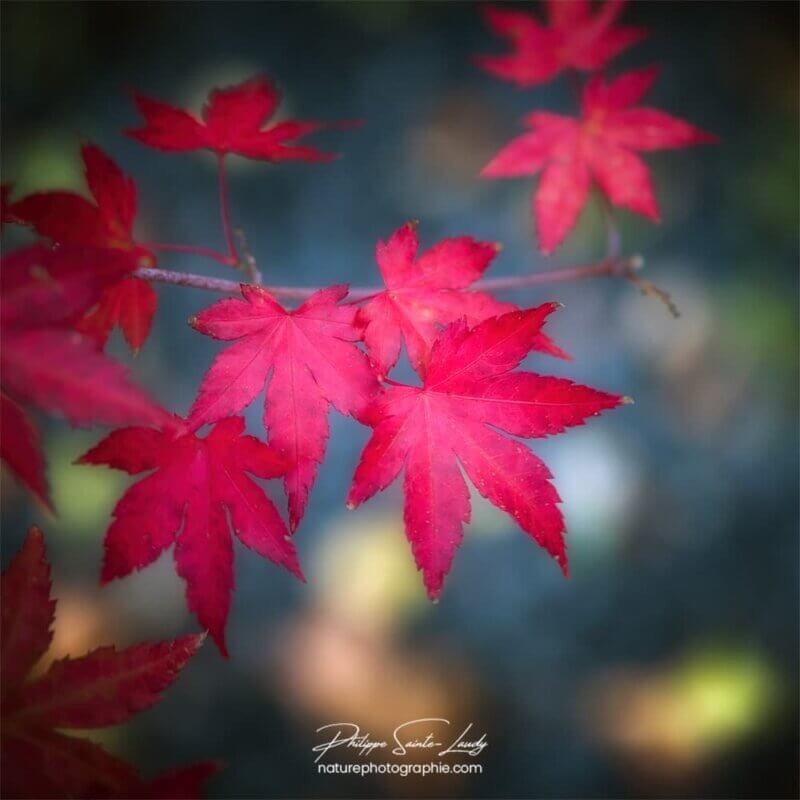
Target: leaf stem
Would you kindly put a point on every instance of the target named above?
(224, 209)
(613, 238)
(189, 248)
(608, 267)
(248, 262)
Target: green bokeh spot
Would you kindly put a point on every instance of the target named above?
(83, 495)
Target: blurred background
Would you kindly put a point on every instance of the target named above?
(667, 664)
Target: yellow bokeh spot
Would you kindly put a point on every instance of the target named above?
(727, 694)
(364, 571)
(673, 719)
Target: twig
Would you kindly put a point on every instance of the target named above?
(608, 267)
(188, 279)
(649, 289)
(611, 268)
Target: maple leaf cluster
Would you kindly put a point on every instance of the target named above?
(103, 688)
(63, 296)
(48, 362)
(597, 147)
(69, 218)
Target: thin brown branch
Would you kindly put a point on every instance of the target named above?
(649, 289)
(188, 279)
(610, 268)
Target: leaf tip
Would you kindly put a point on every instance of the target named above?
(433, 587)
(35, 534)
(45, 503)
(219, 641)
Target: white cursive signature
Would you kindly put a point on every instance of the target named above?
(356, 739)
(415, 734)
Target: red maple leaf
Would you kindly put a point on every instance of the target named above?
(574, 39)
(597, 146)
(100, 689)
(426, 292)
(47, 286)
(233, 121)
(61, 372)
(20, 448)
(469, 391)
(308, 361)
(131, 304)
(107, 223)
(195, 481)
(45, 363)
(70, 218)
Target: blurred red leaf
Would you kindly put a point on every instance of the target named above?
(21, 450)
(68, 218)
(131, 304)
(102, 688)
(598, 146)
(45, 363)
(233, 121)
(574, 38)
(45, 285)
(61, 372)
